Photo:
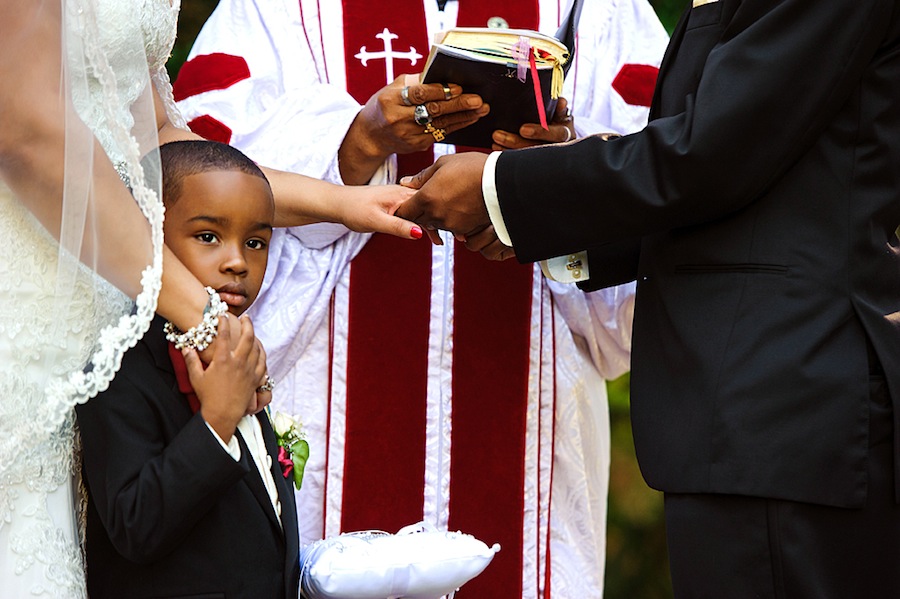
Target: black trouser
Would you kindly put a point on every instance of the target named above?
(733, 547)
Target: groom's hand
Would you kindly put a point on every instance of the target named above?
(449, 195)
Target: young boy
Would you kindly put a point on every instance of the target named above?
(186, 496)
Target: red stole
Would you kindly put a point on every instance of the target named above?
(389, 315)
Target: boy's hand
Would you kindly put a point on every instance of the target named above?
(227, 388)
(263, 397)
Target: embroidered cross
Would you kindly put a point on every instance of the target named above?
(388, 54)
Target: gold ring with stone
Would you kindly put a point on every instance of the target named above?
(436, 133)
(446, 88)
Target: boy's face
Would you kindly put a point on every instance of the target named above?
(220, 227)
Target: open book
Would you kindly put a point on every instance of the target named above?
(493, 63)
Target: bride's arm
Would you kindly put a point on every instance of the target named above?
(32, 157)
(302, 200)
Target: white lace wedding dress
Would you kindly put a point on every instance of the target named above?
(39, 339)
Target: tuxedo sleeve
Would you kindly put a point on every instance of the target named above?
(768, 86)
(148, 490)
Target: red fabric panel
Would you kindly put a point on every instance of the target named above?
(635, 83)
(520, 14)
(387, 357)
(210, 128)
(363, 20)
(492, 324)
(208, 72)
(492, 339)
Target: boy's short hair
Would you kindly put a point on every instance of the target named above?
(180, 159)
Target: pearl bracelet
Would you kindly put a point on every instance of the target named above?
(200, 336)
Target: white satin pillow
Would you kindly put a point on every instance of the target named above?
(415, 563)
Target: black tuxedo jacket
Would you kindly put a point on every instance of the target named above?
(170, 513)
(758, 211)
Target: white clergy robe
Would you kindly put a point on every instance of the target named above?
(432, 384)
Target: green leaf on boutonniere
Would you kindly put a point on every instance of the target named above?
(299, 455)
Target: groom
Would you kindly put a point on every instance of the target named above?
(761, 202)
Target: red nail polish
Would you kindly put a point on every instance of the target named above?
(416, 233)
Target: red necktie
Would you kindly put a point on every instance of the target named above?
(184, 380)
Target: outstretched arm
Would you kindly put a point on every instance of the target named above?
(302, 200)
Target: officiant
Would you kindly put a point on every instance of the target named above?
(388, 351)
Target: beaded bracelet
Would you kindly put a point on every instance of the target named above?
(200, 336)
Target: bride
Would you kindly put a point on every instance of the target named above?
(84, 96)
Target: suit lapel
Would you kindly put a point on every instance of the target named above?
(285, 488)
(671, 51)
(254, 482)
(288, 507)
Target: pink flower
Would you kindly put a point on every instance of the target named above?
(284, 460)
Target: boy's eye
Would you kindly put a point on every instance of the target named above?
(256, 244)
(207, 237)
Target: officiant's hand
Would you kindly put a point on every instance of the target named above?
(449, 195)
(561, 128)
(386, 124)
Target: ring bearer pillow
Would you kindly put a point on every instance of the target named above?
(418, 562)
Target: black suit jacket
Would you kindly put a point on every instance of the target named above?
(764, 197)
(171, 514)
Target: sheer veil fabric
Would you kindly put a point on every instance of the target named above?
(82, 258)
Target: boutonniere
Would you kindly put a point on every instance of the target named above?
(293, 450)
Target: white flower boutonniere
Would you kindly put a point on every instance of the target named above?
(293, 450)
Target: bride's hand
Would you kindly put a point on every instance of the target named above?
(371, 208)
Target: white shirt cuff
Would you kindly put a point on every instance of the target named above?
(491, 201)
(232, 447)
(567, 269)
(564, 269)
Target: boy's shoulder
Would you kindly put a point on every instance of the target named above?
(146, 368)
(151, 348)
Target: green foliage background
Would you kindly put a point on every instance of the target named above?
(637, 562)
